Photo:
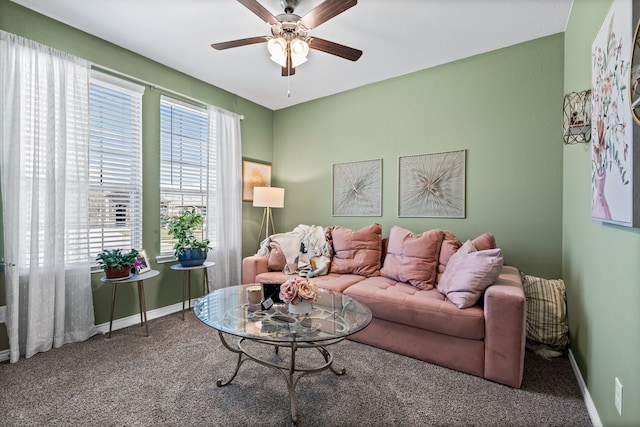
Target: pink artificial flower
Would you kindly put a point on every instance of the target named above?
(289, 292)
(295, 290)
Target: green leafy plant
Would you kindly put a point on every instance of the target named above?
(115, 258)
(182, 227)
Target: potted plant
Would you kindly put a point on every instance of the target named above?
(188, 249)
(115, 263)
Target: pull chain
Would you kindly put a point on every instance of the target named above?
(288, 79)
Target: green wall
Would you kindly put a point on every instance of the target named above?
(600, 262)
(256, 130)
(503, 107)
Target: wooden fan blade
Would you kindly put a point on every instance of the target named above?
(259, 10)
(340, 50)
(240, 42)
(325, 11)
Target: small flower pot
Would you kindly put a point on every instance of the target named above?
(192, 257)
(303, 307)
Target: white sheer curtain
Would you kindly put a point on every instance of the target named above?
(224, 206)
(43, 172)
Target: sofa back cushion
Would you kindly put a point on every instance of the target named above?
(484, 241)
(413, 258)
(276, 260)
(357, 251)
(469, 272)
(451, 244)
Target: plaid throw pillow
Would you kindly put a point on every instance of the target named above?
(546, 312)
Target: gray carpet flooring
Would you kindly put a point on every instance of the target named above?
(169, 379)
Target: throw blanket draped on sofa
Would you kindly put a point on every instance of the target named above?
(306, 249)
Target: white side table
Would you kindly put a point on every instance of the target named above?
(140, 278)
(186, 280)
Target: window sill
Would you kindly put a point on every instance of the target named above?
(163, 259)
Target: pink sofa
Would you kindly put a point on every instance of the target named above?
(412, 313)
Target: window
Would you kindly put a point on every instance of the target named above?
(115, 164)
(184, 136)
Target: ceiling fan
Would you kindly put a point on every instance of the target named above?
(289, 41)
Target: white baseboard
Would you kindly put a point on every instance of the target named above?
(124, 322)
(134, 319)
(591, 408)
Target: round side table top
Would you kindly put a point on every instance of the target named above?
(132, 277)
(180, 267)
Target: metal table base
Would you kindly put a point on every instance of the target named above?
(289, 372)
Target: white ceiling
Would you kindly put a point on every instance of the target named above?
(397, 37)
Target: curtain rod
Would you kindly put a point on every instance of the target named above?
(154, 86)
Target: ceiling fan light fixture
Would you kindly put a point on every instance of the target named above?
(289, 43)
(299, 50)
(278, 49)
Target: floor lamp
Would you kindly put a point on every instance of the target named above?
(267, 198)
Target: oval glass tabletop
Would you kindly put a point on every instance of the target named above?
(333, 316)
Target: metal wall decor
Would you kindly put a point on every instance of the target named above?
(357, 188)
(576, 122)
(432, 185)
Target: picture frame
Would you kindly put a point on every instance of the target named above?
(143, 258)
(432, 185)
(254, 174)
(615, 137)
(357, 188)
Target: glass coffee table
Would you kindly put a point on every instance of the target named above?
(333, 317)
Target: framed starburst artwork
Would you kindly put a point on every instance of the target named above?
(357, 188)
(432, 185)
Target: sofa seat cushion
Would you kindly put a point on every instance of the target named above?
(426, 309)
(331, 281)
(272, 277)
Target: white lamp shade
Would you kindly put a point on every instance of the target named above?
(268, 197)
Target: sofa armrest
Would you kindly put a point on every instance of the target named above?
(252, 266)
(505, 316)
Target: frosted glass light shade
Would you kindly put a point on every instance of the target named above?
(299, 50)
(268, 197)
(278, 50)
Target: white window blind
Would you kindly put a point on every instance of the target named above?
(115, 164)
(184, 135)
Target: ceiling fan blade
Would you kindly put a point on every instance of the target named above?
(259, 10)
(325, 11)
(340, 50)
(240, 42)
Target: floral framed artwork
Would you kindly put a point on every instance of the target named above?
(432, 185)
(357, 188)
(613, 143)
(254, 174)
(142, 262)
